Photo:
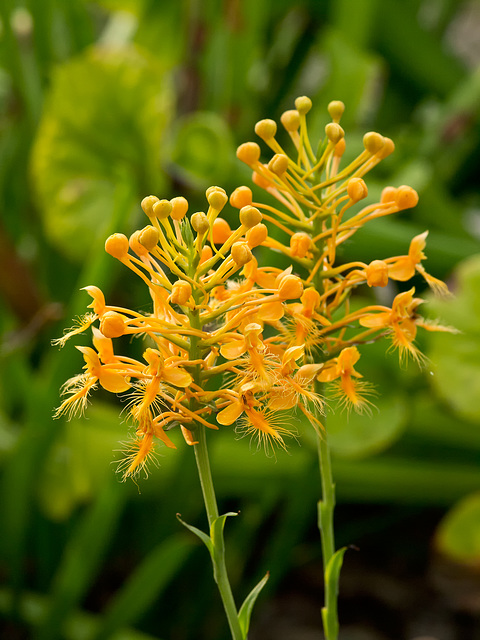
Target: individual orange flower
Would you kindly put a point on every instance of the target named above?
(342, 369)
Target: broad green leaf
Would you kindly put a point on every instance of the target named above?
(455, 358)
(458, 535)
(245, 612)
(102, 125)
(200, 534)
(353, 435)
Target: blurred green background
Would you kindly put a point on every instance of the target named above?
(102, 103)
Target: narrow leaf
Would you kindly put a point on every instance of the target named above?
(247, 606)
(332, 574)
(200, 534)
(216, 529)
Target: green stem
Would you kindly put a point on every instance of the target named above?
(219, 565)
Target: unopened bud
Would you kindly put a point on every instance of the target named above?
(334, 132)
(339, 148)
(290, 120)
(221, 231)
(216, 198)
(135, 245)
(147, 205)
(278, 164)
(181, 292)
(179, 208)
(256, 235)
(377, 273)
(206, 254)
(311, 298)
(303, 105)
(387, 149)
(249, 153)
(250, 216)
(112, 324)
(300, 244)
(241, 197)
(290, 287)
(373, 142)
(148, 237)
(199, 222)
(336, 109)
(117, 245)
(260, 180)
(266, 129)
(241, 253)
(388, 195)
(162, 209)
(357, 189)
(406, 197)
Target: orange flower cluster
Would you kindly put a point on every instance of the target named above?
(228, 340)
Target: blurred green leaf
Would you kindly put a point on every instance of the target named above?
(102, 126)
(357, 435)
(458, 535)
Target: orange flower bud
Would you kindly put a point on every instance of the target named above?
(373, 142)
(278, 164)
(216, 198)
(339, 148)
(266, 129)
(387, 149)
(249, 153)
(135, 245)
(357, 189)
(117, 245)
(199, 222)
(148, 237)
(220, 231)
(303, 105)
(179, 208)
(206, 254)
(112, 324)
(388, 195)
(377, 273)
(162, 209)
(147, 205)
(406, 197)
(241, 197)
(250, 216)
(241, 253)
(310, 298)
(290, 120)
(256, 235)
(334, 132)
(260, 181)
(290, 287)
(300, 244)
(181, 292)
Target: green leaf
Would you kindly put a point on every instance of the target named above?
(458, 535)
(353, 435)
(332, 575)
(102, 125)
(200, 534)
(216, 529)
(247, 606)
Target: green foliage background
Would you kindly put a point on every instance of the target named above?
(102, 103)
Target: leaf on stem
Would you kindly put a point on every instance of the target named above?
(247, 606)
(200, 534)
(332, 575)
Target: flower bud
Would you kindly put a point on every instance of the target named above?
(300, 244)
(241, 253)
(147, 205)
(221, 231)
(199, 222)
(388, 195)
(241, 197)
(336, 109)
(250, 216)
(334, 132)
(387, 149)
(148, 237)
(117, 245)
(181, 292)
(377, 274)
(290, 287)
(307, 372)
(256, 235)
(135, 245)
(249, 153)
(266, 129)
(162, 209)
(216, 198)
(112, 324)
(260, 181)
(290, 120)
(357, 189)
(310, 298)
(406, 197)
(303, 105)
(179, 208)
(339, 148)
(278, 164)
(373, 142)
(206, 254)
